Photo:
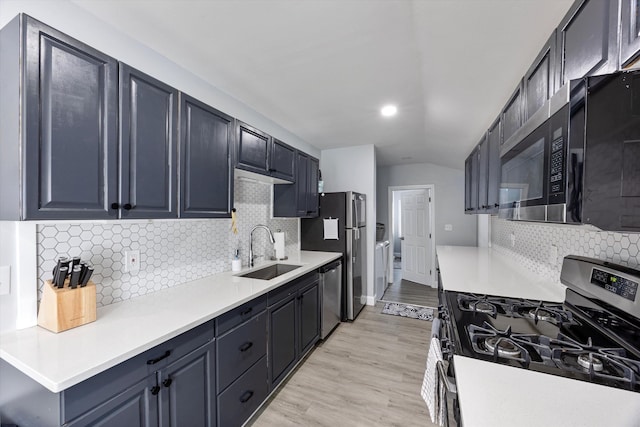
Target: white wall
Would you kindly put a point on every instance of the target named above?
(354, 169)
(449, 199)
(18, 251)
(76, 22)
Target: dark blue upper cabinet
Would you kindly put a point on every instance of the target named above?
(206, 141)
(282, 161)
(511, 117)
(539, 81)
(149, 146)
(587, 40)
(253, 148)
(70, 127)
(630, 28)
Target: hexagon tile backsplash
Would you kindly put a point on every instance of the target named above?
(171, 251)
(533, 243)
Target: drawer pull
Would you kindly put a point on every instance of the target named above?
(246, 396)
(167, 382)
(155, 390)
(246, 346)
(157, 359)
(246, 311)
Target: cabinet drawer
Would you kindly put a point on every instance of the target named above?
(99, 388)
(240, 314)
(244, 396)
(291, 288)
(240, 348)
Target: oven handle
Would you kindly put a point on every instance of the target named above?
(449, 383)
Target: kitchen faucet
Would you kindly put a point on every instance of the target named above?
(271, 238)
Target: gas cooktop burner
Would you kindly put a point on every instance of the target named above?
(483, 307)
(493, 342)
(506, 347)
(541, 314)
(588, 361)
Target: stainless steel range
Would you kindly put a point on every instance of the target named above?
(594, 336)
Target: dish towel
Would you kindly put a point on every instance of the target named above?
(433, 391)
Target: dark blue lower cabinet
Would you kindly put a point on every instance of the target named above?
(135, 407)
(188, 393)
(244, 396)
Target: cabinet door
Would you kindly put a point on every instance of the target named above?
(483, 174)
(282, 161)
(135, 407)
(252, 149)
(630, 26)
(539, 79)
(302, 175)
(70, 127)
(475, 169)
(282, 339)
(468, 183)
(512, 114)
(188, 393)
(494, 170)
(149, 146)
(587, 40)
(309, 309)
(205, 151)
(312, 188)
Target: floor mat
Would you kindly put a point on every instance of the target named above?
(407, 310)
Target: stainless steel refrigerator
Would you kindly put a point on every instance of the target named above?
(349, 209)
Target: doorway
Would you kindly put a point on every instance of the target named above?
(412, 251)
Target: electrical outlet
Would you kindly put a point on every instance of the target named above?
(5, 280)
(553, 255)
(512, 237)
(448, 227)
(131, 261)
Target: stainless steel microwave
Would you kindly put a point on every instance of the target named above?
(580, 165)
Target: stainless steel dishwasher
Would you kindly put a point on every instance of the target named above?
(331, 296)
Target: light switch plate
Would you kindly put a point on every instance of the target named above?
(5, 280)
(131, 261)
(512, 237)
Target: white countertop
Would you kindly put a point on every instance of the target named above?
(491, 394)
(485, 271)
(125, 329)
(496, 395)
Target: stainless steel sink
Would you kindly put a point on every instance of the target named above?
(271, 271)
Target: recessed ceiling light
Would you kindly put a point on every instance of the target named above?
(389, 110)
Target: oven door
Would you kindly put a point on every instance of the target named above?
(524, 177)
(441, 329)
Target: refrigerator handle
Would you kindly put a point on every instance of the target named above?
(356, 236)
(355, 220)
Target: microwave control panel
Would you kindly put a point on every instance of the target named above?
(556, 165)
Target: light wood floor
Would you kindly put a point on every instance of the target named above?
(367, 373)
(408, 292)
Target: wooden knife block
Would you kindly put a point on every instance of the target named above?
(66, 308)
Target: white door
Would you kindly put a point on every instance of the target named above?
(415, 236)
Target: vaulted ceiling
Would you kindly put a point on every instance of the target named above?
(323, 68)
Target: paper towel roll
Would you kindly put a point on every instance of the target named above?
(279, 245)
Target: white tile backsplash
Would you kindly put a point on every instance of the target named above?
(533, 243)
(171, 251)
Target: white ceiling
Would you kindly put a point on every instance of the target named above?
(323, 68)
